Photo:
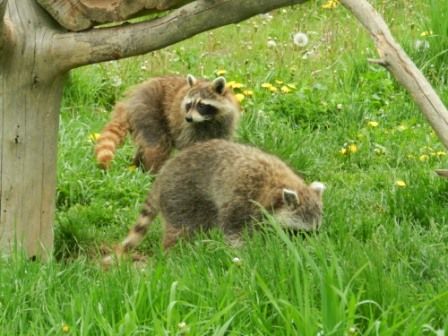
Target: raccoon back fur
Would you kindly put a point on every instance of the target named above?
(169, 112)
(223, 184)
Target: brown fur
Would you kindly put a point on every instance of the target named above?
(223, 184)
(168, 112)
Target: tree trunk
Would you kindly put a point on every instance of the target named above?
(30, 96)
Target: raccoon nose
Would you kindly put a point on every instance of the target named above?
(189, 119)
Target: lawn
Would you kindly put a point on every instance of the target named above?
(379, 266)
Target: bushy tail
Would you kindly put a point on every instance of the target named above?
(136, 234)
(112, 136)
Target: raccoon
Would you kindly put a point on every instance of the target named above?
(169, 112)
(223, 184)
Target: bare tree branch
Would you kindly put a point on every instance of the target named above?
(3, 4)
(442, 172)
(97, 45)
(394, 59)
(77, 15)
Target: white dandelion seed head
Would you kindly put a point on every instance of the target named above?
(421, 45)
(116, 81)
(300, 39)
(236, 260)
(271, 44)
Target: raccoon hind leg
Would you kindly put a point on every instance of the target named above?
(171, 235)
(151, 158)
(154, 144)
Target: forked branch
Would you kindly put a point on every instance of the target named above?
(97, 45)
(394, 59)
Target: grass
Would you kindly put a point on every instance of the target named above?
(378, 267)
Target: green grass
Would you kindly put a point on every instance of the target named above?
(378, 267)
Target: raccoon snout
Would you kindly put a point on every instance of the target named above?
(189, 119)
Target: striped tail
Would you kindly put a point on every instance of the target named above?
(112, 136)
(135, 235)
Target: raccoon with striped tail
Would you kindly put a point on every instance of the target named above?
(166, 113)
(223, 184)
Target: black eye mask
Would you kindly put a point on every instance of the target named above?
(206, 110)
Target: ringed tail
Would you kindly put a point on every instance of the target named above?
(135, 235)
(111, 137)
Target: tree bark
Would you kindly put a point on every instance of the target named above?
(394, 59)
(77, 15)
(30, 95)
(3, 4)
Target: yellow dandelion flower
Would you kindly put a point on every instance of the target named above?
(373, 123)
(248, 92)
(330, 4)
(240, 97)
(132, 168)
(285, 89)
(266, 85)
(93, 137)
(423, 157)
(343, 151)
(220, 72)
(230, 84)
(65, 328)
(440, 153)
(279, 82)
(426, 33)
(400, 183)
(234, 85)
(273, 89)
(352, 148)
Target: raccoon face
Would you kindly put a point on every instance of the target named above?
(204, 100)
(301, 213)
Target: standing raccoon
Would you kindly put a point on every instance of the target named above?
(169, 112)
(224, 184)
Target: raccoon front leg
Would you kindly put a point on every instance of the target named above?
(233, 218)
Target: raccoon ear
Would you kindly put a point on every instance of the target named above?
(191, 80)
(219, 84)
(318, 187)
(290, 198)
